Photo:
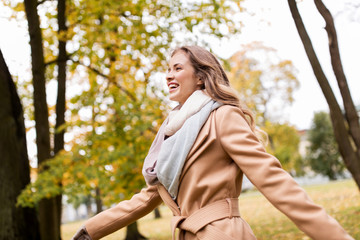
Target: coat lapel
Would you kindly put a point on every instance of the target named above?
(204, 132)
(199, 145)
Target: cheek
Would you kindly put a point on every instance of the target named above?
(186, 78)
(181, 77)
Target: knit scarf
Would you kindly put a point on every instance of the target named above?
(166, 158)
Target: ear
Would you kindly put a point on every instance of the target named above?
(200, 82)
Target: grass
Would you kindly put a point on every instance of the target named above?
(341, 200)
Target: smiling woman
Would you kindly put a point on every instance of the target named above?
(181, 78)
(197, 162)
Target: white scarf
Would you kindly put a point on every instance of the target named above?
(192, 105)
(166, 159)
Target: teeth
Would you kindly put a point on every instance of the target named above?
(173, 85)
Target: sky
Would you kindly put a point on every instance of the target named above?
(270, 23)
(273, 25)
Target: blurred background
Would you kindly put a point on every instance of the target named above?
(83, 94)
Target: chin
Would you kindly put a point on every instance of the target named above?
(173, 98)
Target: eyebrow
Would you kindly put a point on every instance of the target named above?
(176, 64)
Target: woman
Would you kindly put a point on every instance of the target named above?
(197, 161)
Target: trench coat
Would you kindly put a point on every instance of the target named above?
(225, 149)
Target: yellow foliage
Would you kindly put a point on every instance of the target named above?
(79, 175)
(257, 74)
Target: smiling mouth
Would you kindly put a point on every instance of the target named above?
(173, 86)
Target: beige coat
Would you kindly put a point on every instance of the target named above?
(226, 149)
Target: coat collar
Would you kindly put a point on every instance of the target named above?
(203, 134)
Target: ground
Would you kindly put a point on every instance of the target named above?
(341, 199)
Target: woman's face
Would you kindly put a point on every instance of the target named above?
(181, 78)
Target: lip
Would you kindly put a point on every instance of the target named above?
(173, 83)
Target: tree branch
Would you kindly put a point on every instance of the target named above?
(51, 62)
(350, 110)
(96, 71)
(41, 2)
(57, 59)
(340, 131)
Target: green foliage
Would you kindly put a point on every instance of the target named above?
(108, 157)
(284, 144)
(115, 103)
(322, 154)
(266, 85)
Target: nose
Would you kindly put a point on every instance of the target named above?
(169, 76)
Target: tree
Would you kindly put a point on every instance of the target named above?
(61, 99)
(265, 82)
(346, 128)
(284, 144)
(157, 213)
(323, 155)
(116, 49)
(47, 207)
(266, 85)
(132, 233)
(15, 222)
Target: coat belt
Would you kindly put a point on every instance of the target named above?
(226, 208)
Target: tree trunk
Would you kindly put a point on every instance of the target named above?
(99, 206)
(47, 207)
(89, 212)
(351, 157)
(15, 222)
(60, 101)
(157, 214)
(132, 232)
(349, 106)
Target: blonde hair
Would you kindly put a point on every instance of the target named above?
(216, 83)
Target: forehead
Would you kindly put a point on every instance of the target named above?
(179, 57)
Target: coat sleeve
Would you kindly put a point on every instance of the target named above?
(265, 172)
(123, 214)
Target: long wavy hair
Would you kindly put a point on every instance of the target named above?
(216, 83)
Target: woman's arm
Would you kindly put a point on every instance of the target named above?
(121, 215)
(265, 172)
